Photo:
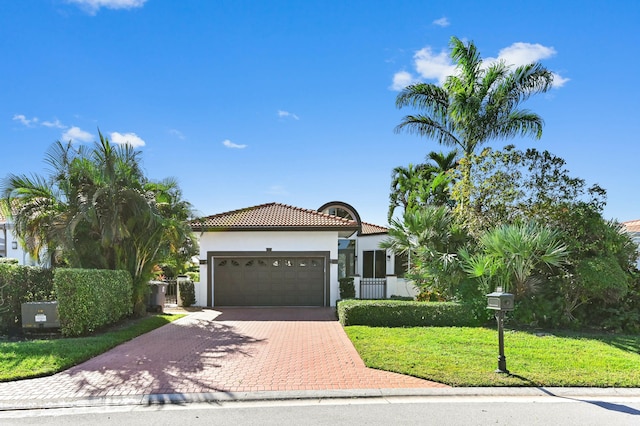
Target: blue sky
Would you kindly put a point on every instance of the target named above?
(249, 102)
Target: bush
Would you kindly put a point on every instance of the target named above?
(193, 276)
(347, 289)
(8, 260)
(398, 313)
(19, 284)
(187, 293)
(89, 299)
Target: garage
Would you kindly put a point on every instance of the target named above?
(286, 279)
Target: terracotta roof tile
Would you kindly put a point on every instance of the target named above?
(632, 225)
(272, 216)
(370, 229)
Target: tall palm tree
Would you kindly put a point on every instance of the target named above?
(100, 211)
(477, 104)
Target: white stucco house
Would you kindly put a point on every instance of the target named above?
(633, 228)
(9, 245)
(279, 255)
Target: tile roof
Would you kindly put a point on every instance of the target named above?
(272, 216)
(632, 225)
(370, 229)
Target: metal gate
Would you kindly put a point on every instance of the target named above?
(373, 288)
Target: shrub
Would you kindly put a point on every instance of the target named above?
(19, 284)
(8, 260)
(347, 289)
(193, 276)
(187, 293)
(89, 299)
(398, 313)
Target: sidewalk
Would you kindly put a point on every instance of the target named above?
(240, 355)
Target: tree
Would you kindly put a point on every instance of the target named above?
(98, 210)
(509, 255)
(430, 237)
(417, 186)
(477, 104)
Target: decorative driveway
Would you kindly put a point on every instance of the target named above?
(226, 350)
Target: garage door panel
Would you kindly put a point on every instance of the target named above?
(264, 281)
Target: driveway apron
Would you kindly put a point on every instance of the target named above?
(225, 350)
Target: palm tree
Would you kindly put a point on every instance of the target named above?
(510, 255)
(100, 211)
(430, 237)
(477, 104)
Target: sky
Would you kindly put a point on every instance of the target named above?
(252, 102)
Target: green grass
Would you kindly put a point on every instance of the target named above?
(460, 356)
(35, 358)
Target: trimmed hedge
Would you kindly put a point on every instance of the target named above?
(89, 299)
(187, 293)
(400, 313)
(347, 288)
(19, 284)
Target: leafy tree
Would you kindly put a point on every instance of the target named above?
(479, 103)
(509, 185)
(98, 210)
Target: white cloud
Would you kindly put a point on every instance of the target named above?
(433, 67)
(402, 79)
(76, 134)
(442, 22)
(430, 66)
(57, 124)
(93, 6)
(558, 80)
(287, 114)
(127, 139)
(24, 120)
(525, 53)
(232, 145)
(176, 133)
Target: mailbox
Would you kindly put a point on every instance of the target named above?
(500, 301)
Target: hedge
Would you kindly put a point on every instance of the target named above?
(19, 284)
(400, 313)
(89, 299)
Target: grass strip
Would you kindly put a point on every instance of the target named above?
(36, 358)
(465, 356)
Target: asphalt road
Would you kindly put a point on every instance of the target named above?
(436, 410)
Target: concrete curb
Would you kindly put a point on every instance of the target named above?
(222, 397)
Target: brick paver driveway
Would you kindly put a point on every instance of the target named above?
(228, 350)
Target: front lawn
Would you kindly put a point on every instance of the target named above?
(463, 356)
(35, 358)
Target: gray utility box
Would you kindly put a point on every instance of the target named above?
(36, 315)
(500, 301)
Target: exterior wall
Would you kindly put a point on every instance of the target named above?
(260, 241)
(371, 242)
(18, 253)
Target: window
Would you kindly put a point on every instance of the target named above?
(374, 264)
(346, 258)
(401, 264)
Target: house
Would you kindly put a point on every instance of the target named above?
(633, 228)
(9, 246)
(279, 255)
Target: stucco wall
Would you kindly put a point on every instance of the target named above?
(276, 241)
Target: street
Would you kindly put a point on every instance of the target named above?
(440, 410)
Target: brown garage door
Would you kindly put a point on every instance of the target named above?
(268, 281)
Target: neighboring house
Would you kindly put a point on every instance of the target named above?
(9, 245)
(279, 255)
(633, 228)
